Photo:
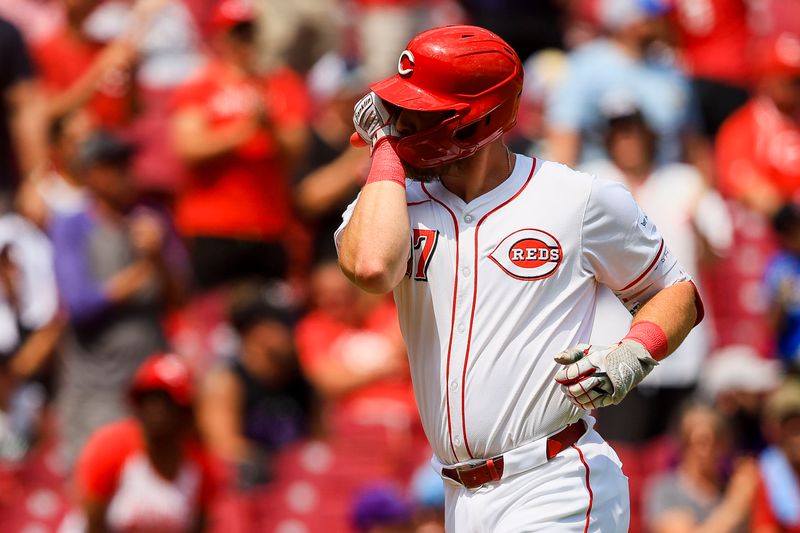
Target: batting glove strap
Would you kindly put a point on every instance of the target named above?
(372, 120)
(626, 367)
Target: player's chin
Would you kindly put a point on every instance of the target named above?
(424, 175)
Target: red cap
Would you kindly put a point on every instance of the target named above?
(229, 13)
(779, 56)
(164, 372)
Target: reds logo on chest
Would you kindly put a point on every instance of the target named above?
(528, 254)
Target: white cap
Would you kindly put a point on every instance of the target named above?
(739, 368)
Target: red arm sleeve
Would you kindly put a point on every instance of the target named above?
(102, 458)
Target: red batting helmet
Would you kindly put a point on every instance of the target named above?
(163, 372)
(467, 70)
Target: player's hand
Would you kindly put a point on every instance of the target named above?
(373, 121)
(598, 376)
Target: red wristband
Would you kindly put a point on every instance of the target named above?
(386, 165)
(651, 336)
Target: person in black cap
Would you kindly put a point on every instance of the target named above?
(117, 268)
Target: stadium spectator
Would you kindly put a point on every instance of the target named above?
(57, 191)
(334, 171)
(782, 284)
(117, 267)
(758, 147)
(169, 51)
(257, 403)
(544, 71)
(694, 220)
(777, 502)
(351, 350)
(384, 27)
(30, 328)
(23, 143)
(737, 380)
(696, 496)
(623, 61)
(714, 39)
(241, 133)
(147, 473)
(77, 71)
(427, 493)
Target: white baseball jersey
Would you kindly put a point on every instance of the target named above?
(498, 286)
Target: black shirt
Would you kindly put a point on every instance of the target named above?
(15, 67)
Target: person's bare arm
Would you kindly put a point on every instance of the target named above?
(95, 516)
(37, 348)
(374, 248)
(334, 379)
(196, 141)
(331, 184)
(119, 55)
(674, 310)
(727, 517)
(219, 416)
(597, 376)
(28, 125)
(128, 281)
(292, 144)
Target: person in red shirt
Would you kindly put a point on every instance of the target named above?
(145, 473)
(758, 147)
(351, 350)
(240, 132)
(714, 38)
(77, 71)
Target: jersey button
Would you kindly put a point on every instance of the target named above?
(465, 272)
(454, 385)
(461, 328)
(468, 219)
(457, 440)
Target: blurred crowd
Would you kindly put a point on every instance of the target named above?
(179, 350)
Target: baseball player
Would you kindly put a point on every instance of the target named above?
(495, 260)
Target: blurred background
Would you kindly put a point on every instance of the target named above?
(178, 348)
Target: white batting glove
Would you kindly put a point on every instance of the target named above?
(598, 376)
(373, 121)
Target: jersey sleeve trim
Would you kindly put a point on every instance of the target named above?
(647, 270)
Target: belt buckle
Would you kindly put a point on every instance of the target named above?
(464, 468)
(486, 463)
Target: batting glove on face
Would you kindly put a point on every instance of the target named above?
(598, 376)
(373, 121)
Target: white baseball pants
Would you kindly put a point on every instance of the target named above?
(581, 490)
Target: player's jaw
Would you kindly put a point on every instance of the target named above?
(424, 175)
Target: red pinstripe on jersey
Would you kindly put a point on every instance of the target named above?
(588, 488)
(452, 322)
(647, 270)
(475, 298)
